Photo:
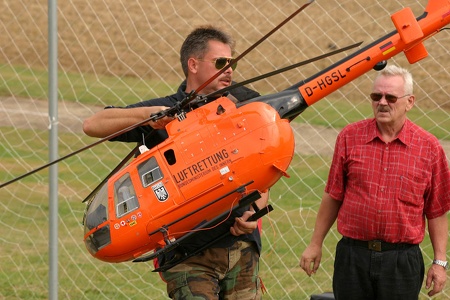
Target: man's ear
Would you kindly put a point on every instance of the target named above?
(192, 65)
(411, 101)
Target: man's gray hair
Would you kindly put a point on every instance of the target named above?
(392, 70)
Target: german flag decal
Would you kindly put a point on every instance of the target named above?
(388, 47)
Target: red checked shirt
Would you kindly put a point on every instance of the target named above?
(387, 189)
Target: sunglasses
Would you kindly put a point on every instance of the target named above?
(221, 62)
(389, 98)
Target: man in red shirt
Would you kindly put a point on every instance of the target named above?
(386, 177)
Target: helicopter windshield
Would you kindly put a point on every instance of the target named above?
(97, 214)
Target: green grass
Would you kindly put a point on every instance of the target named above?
(28, 218)
(78, 275)
(24, 216)
(32, 83)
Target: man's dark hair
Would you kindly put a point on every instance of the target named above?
(196, 43)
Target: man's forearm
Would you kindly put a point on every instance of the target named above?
(438, 230)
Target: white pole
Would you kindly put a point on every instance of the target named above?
(53, 149)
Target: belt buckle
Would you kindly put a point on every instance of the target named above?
(374, 245)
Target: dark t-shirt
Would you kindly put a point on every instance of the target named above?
(154, 137)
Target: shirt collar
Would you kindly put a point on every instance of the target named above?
(403, 135)
(182, 89)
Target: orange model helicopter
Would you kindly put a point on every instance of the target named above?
(222, 155)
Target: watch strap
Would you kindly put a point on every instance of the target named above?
(441, 263)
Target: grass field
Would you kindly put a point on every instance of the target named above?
(33, 211)
(118, 52)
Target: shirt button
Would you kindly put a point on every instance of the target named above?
(385, 169)
(382, 189)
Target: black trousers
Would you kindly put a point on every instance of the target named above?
(364, 274)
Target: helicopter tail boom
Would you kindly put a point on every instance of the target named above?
(408, 37)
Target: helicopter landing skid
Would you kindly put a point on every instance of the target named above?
(245, 201)
(166, 266)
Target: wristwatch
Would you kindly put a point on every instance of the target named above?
(441, 263)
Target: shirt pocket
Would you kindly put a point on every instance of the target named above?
(412, 189)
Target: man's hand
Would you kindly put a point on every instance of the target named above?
(436, 277)
(242, 226)
(310, 259)
(161, 122)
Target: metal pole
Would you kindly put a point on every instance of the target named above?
(53, 148)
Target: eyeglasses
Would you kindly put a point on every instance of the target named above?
(389, 98)
(221, 62)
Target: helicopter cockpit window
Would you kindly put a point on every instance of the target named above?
(149, 172)
(125, 196)
(170, 157)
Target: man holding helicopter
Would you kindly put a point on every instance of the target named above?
(229, 268)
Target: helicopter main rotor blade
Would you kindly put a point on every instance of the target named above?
(154, 117)
(170, 111)
(114, 171)
(278, 71)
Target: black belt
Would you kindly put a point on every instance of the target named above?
(377, 245)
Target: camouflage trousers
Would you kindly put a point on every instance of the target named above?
(217, 273)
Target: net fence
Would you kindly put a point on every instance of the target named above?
(117, 52)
